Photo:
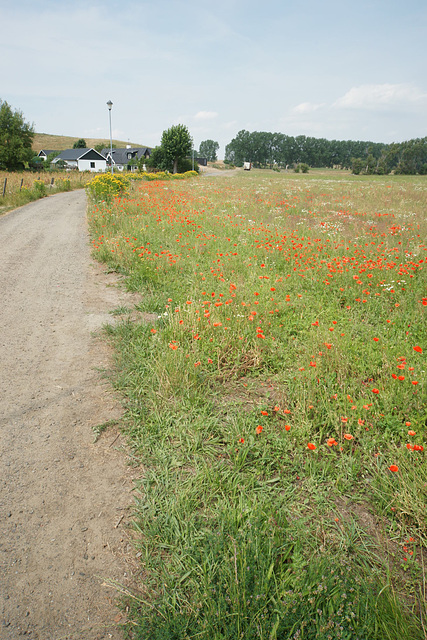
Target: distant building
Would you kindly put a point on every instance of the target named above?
(82, 160)
(126, 159)
(44, 153)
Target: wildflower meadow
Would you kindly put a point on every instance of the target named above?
(275, 401)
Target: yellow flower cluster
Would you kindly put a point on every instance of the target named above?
(165, 175)
(106, 186)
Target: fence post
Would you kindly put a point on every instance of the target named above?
(22, 182)
(4, 186)
(52, 181)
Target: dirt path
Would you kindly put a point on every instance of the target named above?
(211, 172)
(63, 499)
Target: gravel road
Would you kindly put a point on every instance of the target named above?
(64, 500)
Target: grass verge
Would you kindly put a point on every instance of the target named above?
(277, 403)
(24, 187)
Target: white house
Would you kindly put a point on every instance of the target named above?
(82, 159)
(126, 159)
(44, 153)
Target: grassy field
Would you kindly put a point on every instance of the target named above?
(59, 143)
(275, 395)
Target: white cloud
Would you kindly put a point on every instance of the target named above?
(380, 96)
(205, 115)
(307, 107)
(231, 124)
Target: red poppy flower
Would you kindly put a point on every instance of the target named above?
(411, 432)
(287, 427)
(348, 436)
(393, 468)
(241, 440)
(418, 349)
(311, 446)
(264, 413)
(331, 442)
(375, 390)
(418, 447)
(259, 429)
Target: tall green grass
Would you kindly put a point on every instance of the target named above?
(285, 311)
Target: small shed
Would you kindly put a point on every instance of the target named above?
(247, 166)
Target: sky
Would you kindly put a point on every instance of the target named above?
(335, 69)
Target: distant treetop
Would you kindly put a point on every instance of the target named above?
(80, 144)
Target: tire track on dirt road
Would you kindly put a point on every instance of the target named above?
(61, 496)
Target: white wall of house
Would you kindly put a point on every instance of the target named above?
(92, 165)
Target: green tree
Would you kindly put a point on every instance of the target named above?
(47, 164)
(157, 160)
(16, 137)
(208, 149)
(80, 144)
(371, 164)
(176, 143)
(357, 165)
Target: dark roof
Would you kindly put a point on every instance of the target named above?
(78, 154)
(121, 156)
(46, 152)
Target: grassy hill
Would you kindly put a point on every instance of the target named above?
(59, 143)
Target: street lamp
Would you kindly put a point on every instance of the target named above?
(109, 105)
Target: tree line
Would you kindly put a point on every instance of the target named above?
(264, 149)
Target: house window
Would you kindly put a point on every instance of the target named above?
(92, 165)
(129, 156)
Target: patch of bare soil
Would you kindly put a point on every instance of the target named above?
(64, 499)
(212, 172)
